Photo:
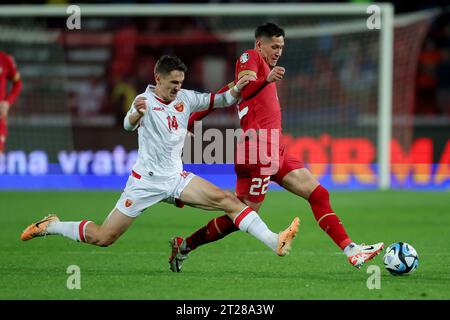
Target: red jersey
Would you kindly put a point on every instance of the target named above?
(8, 71)
(261, 111)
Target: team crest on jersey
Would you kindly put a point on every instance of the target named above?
(244, 58)
(128, 203)
(184, 174)
(179, 107)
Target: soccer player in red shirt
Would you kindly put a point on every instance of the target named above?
(8, 71)
(259, 112)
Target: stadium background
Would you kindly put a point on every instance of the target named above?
(65, 128)
(77, 85)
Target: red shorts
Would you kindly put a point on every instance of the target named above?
(253, 179)
(3, 134)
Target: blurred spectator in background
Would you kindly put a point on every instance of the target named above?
(124, 47)
(91, 96)
(143, 71)
(122, 96)
(358, 78)
(340, 71)
(429, 60)
(443, 72)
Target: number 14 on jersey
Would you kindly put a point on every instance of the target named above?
(172, 123)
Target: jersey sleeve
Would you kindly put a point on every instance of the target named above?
(199, 101)
(197, 116)
(247, 64)
(12, 72)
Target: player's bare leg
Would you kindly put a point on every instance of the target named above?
(204, 193)
(302, 183)
(112, 228)
(214, 230)
(200, 192)
(83, 231)
(254, 205)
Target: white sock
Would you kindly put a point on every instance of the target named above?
(69, 229)
(350, 248)
(251, 222)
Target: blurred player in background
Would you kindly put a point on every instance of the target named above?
(162, 113)
(259, 110)
(8, 72)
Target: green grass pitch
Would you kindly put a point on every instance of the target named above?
(237, 267)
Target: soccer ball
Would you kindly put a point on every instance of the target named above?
(401, 259)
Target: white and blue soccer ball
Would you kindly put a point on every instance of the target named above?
(401, 259)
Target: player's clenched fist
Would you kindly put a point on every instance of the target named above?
(140, 105)
(276, 74)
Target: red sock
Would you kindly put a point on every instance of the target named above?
(215, 229)
(326, 218)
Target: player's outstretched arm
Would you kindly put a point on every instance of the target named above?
(204, 103)
(254, 87)
(197, 116)
(15, 89)
(232, 96)
(13, 76)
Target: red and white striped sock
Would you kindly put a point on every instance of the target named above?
(73, 230)
(249, 221)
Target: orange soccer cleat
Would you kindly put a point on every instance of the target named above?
(285, 238)
(38, 229)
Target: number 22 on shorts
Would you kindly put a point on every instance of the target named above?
(259, 186)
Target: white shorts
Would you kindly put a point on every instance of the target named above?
(142, 192)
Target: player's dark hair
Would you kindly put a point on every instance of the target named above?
(268, 30)
(167, 64)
